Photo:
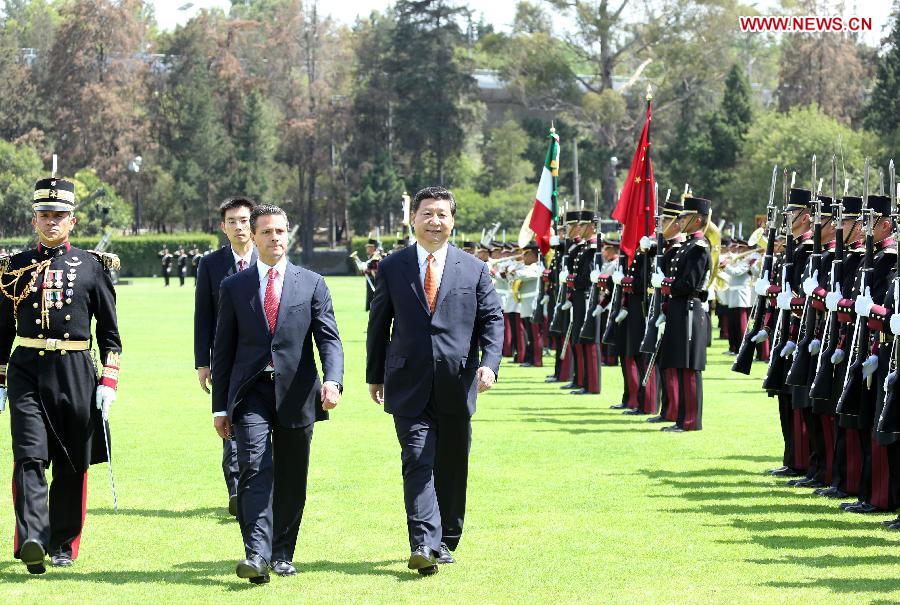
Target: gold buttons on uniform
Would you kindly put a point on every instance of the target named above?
(34, 305)
(40, 335)
(41, 353)
(66, 335)
(68, 317)
(63, 352)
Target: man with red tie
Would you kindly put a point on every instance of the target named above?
(240, 254)
(434, 342)
(267, 391)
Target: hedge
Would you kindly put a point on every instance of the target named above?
(138, 253)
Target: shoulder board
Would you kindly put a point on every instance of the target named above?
(4, 263)
(703, 242)
(109, 261)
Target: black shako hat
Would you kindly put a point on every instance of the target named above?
(55, 194)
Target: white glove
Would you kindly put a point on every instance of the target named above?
(656, 280)
(788, 349)
(869, 366)
(621, 315)
(815, 346)
(554, 240)
(597, 311)
(837, 357)
(594, 275)
(660, 331)
(895, 324)
(646, 243)
(760, 336)
(704, 306)
(661, 320)
(545, 299)
(864, 303)
(762, 284)
(566, 305)
(563, 275)
(105, 397)
(783, 301)
(832, 299)
(2, 398)
(618, 276)
(811, 283)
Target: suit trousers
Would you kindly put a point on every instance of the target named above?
(435, 456)
(230, 468)
(274, 462)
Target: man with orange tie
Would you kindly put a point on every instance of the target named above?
(434, 342)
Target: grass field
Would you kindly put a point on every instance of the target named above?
(569, 502)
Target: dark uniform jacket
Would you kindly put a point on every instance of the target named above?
(636, 301)
(684, 341)
(52, 393)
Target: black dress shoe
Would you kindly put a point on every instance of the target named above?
(580, 392)
(831, 492)
(656, 419)
(805, 482)
(672, 429)
(895, 524)
(863, 508)
(551, 379)
(232, 505)
(785, 471)
(61, 560)
(423, 560)
(846, 505)
(618, 406)
(32, 554)
(254, 569)
(445, 558)
(570, 386)
(284, 569)
(633, 412)
(890, 522)
(527, 364)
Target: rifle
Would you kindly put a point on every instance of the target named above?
(823, 381)
(589, 327)
(890, 383)
(556, 323)
(747, 350)
(850, 400)
(798, 374)
(651, 331)
(774, 380)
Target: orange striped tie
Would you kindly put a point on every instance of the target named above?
(431, 288)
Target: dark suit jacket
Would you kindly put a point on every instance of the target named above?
(243, 344)
(436, 355)
(213, 268)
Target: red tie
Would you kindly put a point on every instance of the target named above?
(431, 289)
(271, 303)
(241, 265)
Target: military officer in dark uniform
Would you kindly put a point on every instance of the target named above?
(642, 399)
(588, 366)
(182, 259)
(682, 355)
(58, 405)
(195, 256)
(373, 257)
(240, 254)
(165, 259)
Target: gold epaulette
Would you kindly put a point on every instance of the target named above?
(109, 260)
(703, 242)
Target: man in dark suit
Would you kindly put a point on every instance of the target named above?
(266, 389)
(212, 269)
(444, 349)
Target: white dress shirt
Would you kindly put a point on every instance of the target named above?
(238, 258)
(437, 269)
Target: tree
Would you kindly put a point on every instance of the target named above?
(430, 81)
(883, 109)
(378, 202)
(20, 167)
(789, 140)
(254, 145)
(504, 165)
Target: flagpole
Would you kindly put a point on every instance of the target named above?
(648, 201)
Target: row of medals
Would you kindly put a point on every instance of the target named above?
(53, 284)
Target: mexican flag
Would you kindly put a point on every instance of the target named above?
(544, 211)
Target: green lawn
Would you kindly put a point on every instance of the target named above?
(568, 501)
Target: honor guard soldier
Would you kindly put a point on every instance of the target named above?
(165, 259)
(673, 225)
(182, 265)
(58, 404)
(641, 399)
(562, 320)
(682, 348)
(195, 255)
(585, 346)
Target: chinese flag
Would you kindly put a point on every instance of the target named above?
(635, 208)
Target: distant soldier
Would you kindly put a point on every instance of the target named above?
(165, 258)
(182, 259)
(58, 405)
(195, 256)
